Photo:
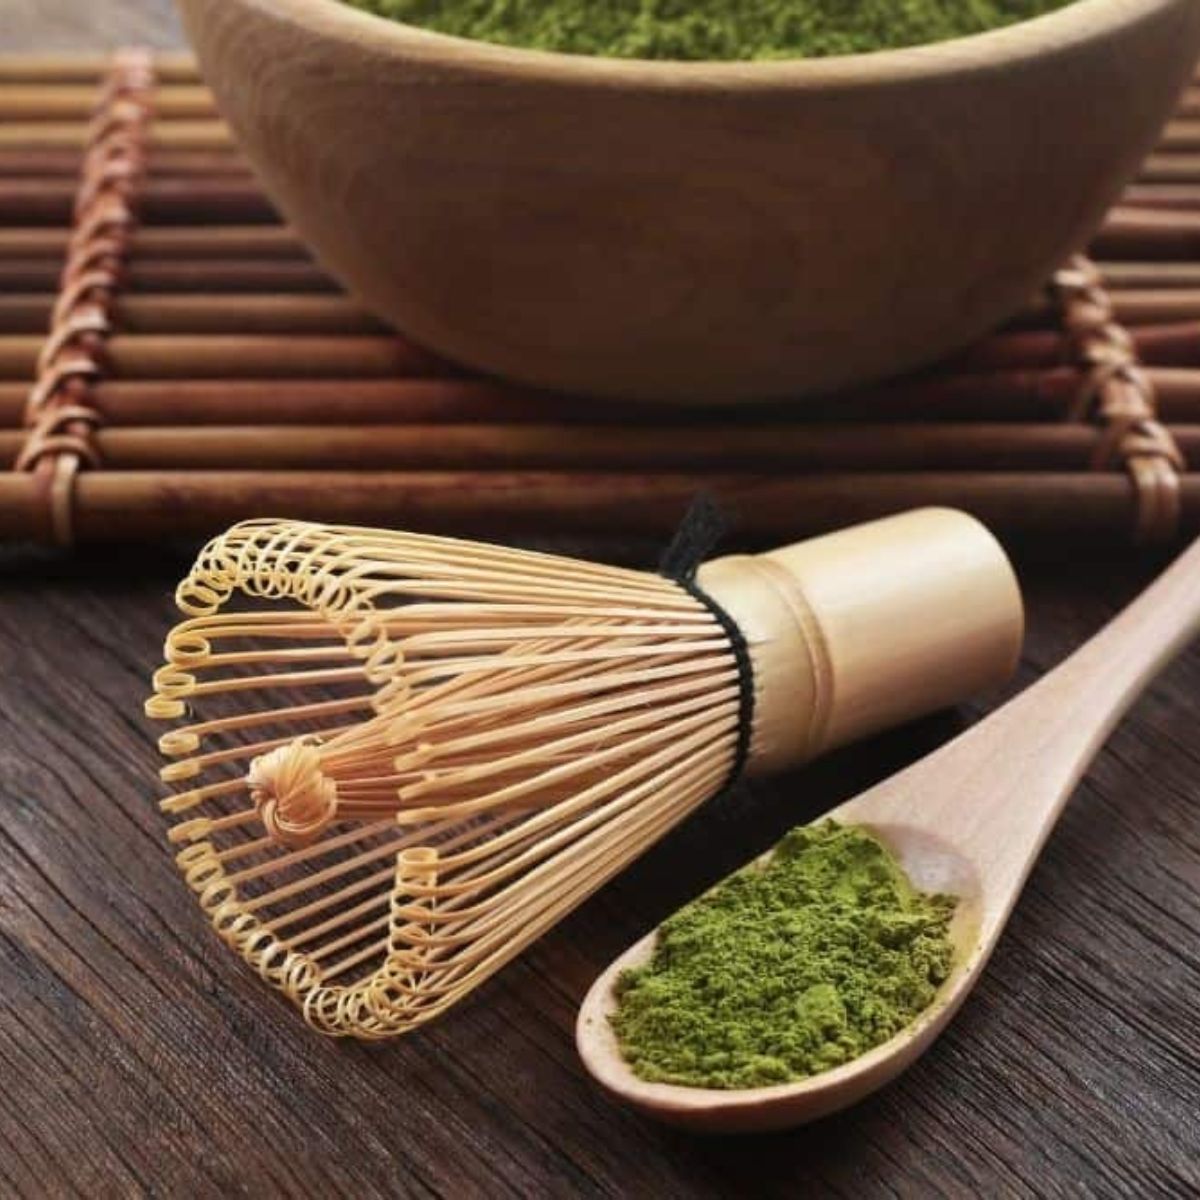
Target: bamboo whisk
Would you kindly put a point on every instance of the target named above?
(405, 757)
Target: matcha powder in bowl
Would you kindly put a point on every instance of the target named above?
(786, 969)
(710, 29)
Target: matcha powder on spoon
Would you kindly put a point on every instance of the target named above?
(786, 970)
(710, 29)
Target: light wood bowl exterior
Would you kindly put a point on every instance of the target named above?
(692, 232)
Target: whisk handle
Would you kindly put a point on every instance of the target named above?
(868, 627)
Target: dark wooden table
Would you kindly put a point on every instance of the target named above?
(138, 1057)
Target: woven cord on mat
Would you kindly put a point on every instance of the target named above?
(59, 415)
(1116, 394)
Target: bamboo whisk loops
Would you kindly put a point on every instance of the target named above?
(405, 757)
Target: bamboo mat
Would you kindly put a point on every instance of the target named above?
(172, 360)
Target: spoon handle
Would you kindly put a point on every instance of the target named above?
(1028, 756)
(996, 791)
(1103, 678)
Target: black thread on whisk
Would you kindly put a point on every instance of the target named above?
(702, 528)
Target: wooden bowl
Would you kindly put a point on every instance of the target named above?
(692, 231)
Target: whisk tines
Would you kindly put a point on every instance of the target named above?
(398, 759)
(407, 756)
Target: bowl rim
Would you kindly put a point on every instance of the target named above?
(1078, 21)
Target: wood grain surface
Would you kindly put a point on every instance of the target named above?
(138, 1058)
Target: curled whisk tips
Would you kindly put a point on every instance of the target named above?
(416, 757)
(417, 859)
(164, 708)
(190, 831)
(295, 799)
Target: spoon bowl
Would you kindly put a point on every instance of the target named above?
(933, 866)
(969, 820)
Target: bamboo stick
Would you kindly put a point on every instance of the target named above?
(1161, 195)
(42, 101)
(331, 402)
(39, 184)
(1149, 233)
(1132, 306)
(202, 306)
(206, 313)
(71, 68)
(1174, 345)
(162, 135)
(269, 300)
(1018, 396)
(1013, 394)
(176, 275)
(1182, 133)
(215, 189)
(733, 446)
(219, 356)
(34, 201)
(64, 163)
(239, 274)
(166, 241)
(1170, 168)
(238, 242)
(162, 356)
(119, 505)
(1120, 275)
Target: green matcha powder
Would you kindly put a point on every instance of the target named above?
(787, 970)
(710, 29)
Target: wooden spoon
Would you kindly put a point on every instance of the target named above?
(969, 819)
